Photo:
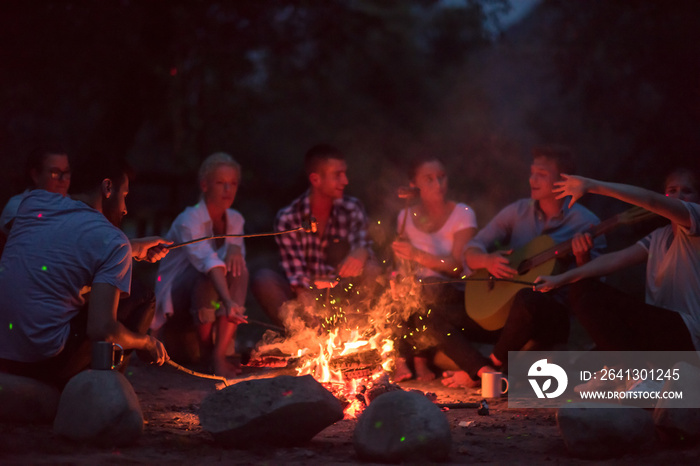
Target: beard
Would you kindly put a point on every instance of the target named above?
(111, 210)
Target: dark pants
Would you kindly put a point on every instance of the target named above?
(618, 322)
(533, 316)
(135, 313)
(452, 331)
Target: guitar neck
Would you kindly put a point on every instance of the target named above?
(563, 249)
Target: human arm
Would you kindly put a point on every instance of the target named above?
(450, 264)
(669, 207)
(581, 246)
(235, 262)
(151, 248)
(353, 224)
(353, 263)
(291, 248)
(601, 265)
(102, 324)
(495, 234)
(235, 311)
(496, 263)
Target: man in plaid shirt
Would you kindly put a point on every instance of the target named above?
(339, 249)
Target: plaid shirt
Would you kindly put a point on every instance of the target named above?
(304, 254)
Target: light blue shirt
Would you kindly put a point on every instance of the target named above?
(57, 249)
(10, 211)
(522, 221)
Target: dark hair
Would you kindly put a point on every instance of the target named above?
(563, 156)
(95, 168)
(37, 156)
(319, 154)
(418, 162)
(682, 171)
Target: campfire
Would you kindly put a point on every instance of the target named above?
(352, 351)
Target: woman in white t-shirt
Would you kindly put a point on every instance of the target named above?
(432, 235)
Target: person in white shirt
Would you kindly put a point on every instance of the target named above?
(208, 279)
(433, 233)
(669, 319)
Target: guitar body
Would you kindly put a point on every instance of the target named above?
(488, 303)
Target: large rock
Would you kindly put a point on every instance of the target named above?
(597, 430)
(26, 400)
(674, 420)
(402, 426)
(281, 411)
(99, 407)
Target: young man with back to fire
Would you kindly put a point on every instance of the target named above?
(340, 249)
(60, 249)
(533, 316)
(669, 319)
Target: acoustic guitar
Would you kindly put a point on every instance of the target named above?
(488, 301)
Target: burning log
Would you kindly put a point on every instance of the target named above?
(360, 360)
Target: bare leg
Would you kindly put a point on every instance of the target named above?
(204, 334)
(462, 379)
(423, 372)
(402, 372)
(225, 330)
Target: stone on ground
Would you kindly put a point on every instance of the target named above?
(674, 419)
(101, 407)
(26, 400)
(280, 411)
(598, 430)
(402, 426)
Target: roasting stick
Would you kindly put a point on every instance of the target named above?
(309, 226)
(197, 374)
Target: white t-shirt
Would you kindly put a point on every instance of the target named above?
(673, 270)
(56, 250)
(194, 222)
(440, 242)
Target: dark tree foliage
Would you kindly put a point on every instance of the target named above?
(169, 82)
(632, 70)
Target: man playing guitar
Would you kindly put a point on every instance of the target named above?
(533, 316)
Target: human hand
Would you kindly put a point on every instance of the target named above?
(322, 283)
(547, 283)
(235, 262)
(156, 351)
(581, 245)
(403, 250)
(150, 248)
(574, 186)
(353, 263)
(235, 312)
(498, 264)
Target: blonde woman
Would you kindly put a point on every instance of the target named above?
(208, 279)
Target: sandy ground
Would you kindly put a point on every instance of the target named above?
(170, 400)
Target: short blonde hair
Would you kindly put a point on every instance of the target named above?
(214, 161)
